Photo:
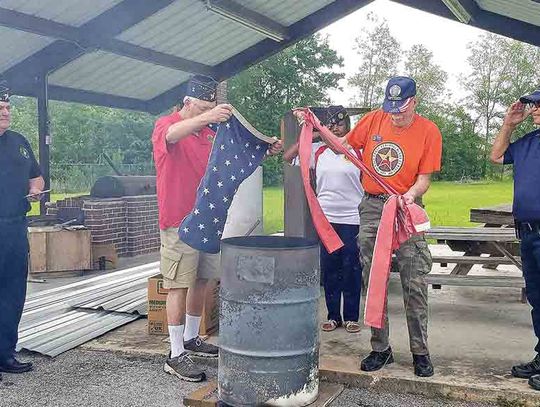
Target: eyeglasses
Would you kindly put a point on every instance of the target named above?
(337, 124)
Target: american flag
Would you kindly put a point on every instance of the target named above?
(237, 151)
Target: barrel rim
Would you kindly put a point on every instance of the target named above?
(300, 242)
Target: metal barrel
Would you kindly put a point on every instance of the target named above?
(269, 337)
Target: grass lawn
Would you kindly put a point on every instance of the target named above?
(447, 203)
(54, 198)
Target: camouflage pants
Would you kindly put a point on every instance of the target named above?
(414, 262)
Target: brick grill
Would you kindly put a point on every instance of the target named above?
(130, 222)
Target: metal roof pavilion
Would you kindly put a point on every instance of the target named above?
(138, 54)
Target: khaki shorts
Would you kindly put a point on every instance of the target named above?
(181, 265)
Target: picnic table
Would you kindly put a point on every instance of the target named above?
(499, 215)
(490, 245)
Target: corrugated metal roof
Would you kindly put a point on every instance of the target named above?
(18, 45)
(50, 325)
(285, 12)
(111, 74)
(207, 39)
(181, 29)
(523, 10)
(72, 12)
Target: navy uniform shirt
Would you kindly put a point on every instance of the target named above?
(17, 166)
(525, 155)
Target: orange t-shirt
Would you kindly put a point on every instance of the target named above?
(396, 155)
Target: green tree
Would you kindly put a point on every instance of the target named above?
(430, 77)
(300, 75)
(486, 84)
(381, 54)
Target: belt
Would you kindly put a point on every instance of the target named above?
(382, 197)
(523, 228)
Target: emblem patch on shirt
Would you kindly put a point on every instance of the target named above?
(24, 152)
(377, 138)
(387, 159)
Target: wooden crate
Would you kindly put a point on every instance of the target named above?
(54, 249)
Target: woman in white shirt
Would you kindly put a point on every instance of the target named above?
(339, 192)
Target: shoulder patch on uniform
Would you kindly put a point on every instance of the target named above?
(24, 152)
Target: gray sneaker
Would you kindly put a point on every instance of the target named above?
(197, 347)
(184, 368)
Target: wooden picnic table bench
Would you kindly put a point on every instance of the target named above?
(500, 244)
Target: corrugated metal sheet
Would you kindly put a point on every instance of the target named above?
(285, 12)
(107, 73)
(523, 10)
(18, 45)
(72, 12)
(186, 29)
(51, 326)
(206, 37)
(59, 334)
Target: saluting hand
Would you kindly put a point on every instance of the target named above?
(517, 113)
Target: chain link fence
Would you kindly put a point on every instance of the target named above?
(67, 177)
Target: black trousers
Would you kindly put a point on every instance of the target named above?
(13, 275)
(342, 275)
(530, 256)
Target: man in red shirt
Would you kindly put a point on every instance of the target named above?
(182, 142)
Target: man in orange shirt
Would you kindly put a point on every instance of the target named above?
(405, 149)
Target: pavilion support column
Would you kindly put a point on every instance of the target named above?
(44, 136)
(298, 221)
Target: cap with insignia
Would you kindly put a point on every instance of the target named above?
(4, 91)
(330, 115)
(335, 114)
(398, 92)
(202, 87)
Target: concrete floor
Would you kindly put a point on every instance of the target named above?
(475, 335)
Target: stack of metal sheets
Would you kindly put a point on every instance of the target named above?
(63, 318)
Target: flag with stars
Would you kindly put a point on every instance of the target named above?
(237, 151)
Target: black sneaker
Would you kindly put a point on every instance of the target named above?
(184, 368)
(422, 366)
(377, 360)
(197, 347)
(526, 370)
(534, 382)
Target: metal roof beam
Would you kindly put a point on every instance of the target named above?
(248, 18)
(65, 94)
(463, 10)
(266, 48)
(107, 25)
(83, 39)
(486, 20)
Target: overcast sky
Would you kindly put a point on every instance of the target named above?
(445, 38)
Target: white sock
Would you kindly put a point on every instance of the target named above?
(192, 327)
(176, 335)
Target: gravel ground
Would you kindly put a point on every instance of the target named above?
(87, 379)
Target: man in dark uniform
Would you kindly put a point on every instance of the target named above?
(20, 177)
(524, 154)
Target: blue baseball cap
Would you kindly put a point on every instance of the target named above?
(398, 91)
(532, 98)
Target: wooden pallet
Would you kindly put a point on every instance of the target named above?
(206, 396)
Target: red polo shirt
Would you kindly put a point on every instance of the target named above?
(180, 168)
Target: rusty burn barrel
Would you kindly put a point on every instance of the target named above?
(269, 335)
